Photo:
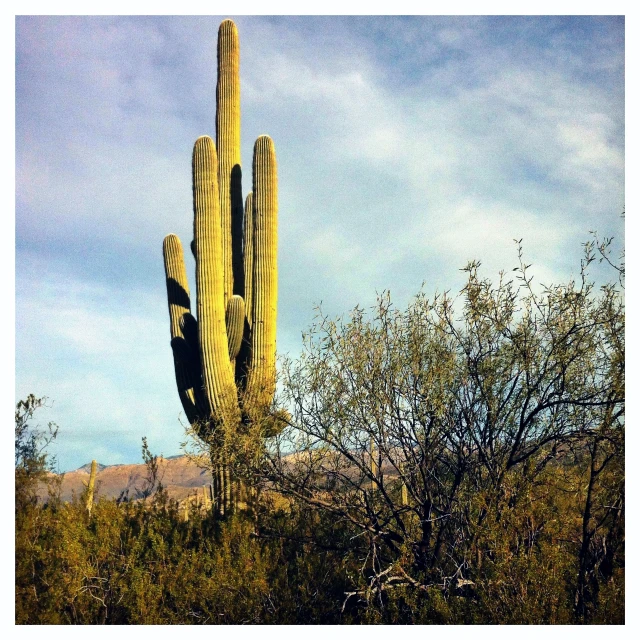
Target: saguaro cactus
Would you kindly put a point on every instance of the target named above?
(91, 486)
(225, 360)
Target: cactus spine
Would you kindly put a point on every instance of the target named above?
(225, 360)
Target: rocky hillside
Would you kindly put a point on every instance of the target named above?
(178, 475)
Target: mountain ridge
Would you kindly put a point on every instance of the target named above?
(179, 475)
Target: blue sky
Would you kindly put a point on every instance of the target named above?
(406, 147)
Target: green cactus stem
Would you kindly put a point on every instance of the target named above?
(91, 486)
(186, 362)
(217, 373)
(235, 324)
(374, 465)
(228, 146)
(404, 494)
(264, 295)
(247, 248)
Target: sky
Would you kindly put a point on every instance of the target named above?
(406, 147)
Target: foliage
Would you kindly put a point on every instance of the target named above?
(31, 441)
(153, 479)
(32, 462)
(458, 462)
(433, 434)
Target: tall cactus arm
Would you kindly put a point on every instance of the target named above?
(244, 356)
(189, 326)
(235, 324)
(237, 240)
(261, 383)
(177, 285)
(248, 256)
(179, 306)
(217, 373)
(228, 146)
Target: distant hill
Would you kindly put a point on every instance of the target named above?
(178, 475)
(181, 478)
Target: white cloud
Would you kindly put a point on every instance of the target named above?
(103, 357)
(469, 225)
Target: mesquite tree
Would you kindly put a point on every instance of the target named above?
(427, 430)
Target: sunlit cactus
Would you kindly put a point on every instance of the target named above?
(235, 318)
(228, 146)
(217, 371)
(264, 280)
(225, 360)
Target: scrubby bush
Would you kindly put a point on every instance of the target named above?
(442, 464)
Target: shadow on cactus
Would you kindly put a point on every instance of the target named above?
(225, 359)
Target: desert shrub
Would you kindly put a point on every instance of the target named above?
(449, 463)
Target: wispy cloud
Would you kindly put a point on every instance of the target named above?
(102, 357)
